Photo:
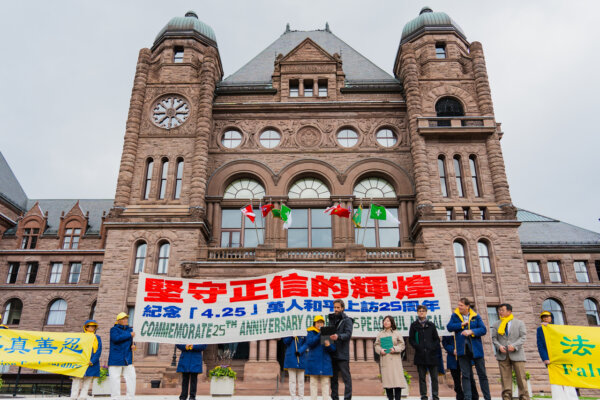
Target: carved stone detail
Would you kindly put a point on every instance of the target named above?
(308, 137)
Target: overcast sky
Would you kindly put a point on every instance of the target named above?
(67, 68)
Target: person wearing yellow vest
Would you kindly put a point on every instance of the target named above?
(468, 328)
(2, 326)
(509, 335)
(81, 386)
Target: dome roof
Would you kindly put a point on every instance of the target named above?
(430, 21)
(189, 25)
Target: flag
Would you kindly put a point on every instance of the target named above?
(286, 216)
(379, 212)
(248, 212)
(338, 210)
(276, 213)
(357, 216)
(266, 209)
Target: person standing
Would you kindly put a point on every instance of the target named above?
(452, 365)
(559, 392)
(468, 329)
(341, 359)
(190, 365)
(318, 362)
(423, 337)
(392, 372)
(120, 358)
(81, 386)
(295, 363)
(509, 335)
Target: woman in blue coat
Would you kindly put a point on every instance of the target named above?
(295, 363)
(190, 365)
(318, 362)
(81, 386)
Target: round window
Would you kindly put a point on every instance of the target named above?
(347, 138)
(270, 139)
(170, 112)
(231, 139)
(386, 137)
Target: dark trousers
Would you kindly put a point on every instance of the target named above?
(456, 377)
(341, 367)
(433, 373)
(467, 376)
(191, 379)
(393, 393)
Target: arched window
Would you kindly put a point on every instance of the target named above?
(484, 257)
(591, 311)
(374, 188)
(178, 179)
(270, 139)
(474, 174)
(347, 138)
(148, 181)
(442, 172)
(458, 174)
(57, 312)
(459, 257)
(12, 312)
(164, 170)
(140, 257)
(244, 189)
(163, 258)
(449, 107)
(308, 188)
(72, 235)
(556, 309)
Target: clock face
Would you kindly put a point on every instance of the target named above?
(170, 112)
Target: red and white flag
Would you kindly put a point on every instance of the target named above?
(266, 209)
(248, 212)
(339, 211)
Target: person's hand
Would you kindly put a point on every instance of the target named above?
(544, 323)
(546, 362)
(132, 334)
(133, 347)
(392, 350)
(189, 346)
(502, 349)
(327, 343)
(383, 352)
(455, 353)
(334, 337)
(91, 364)
(511, 348)
(467, 332)
(464, 323)
(298, 354)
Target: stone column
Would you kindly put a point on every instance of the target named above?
(404, 219)
(410, 79)
(352, 350)
(360, 350)
(273, 350)
(300, 87)
(215, 224)
(370, 349)
(482, 85)
(253, 351)
(208, 83)
(262, 350)
(132, 130)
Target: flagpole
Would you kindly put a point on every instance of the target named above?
(367, 224)
(255, 229)
(262, 218)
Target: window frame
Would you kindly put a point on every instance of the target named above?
(178, 54)
(269, 142)
(440, 54)
(71, 236)
(322, 86)
(72, 266)
(443, 175)
(474, 169)
(148, 178)
(7, 314)
(178, 178)
(55, 277)
(347, 139)
(137, 257)
(96, 272)
(383, 141)
(460, 188)
(584, 271)
(31, 271)
(530, 272)
(561, 308)
(228, 140)
(50, 312)
(30, 237)
(308, 85)
(242, 229)
(12, 274)
(294, 87)
(309, 227)
(462, 257)
(596, 316)
(162, 264)
(362, 232)
(554, 273)
(484, 257)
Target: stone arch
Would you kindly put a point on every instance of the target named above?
(399, 178)
(225, 174)
(308, 168)
(468, 101)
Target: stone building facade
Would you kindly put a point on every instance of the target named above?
(309, 122)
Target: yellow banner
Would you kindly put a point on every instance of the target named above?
(56, 352)
(574, 353)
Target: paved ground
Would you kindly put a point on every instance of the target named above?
(240, 398)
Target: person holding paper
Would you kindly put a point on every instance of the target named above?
(389, 345)
(295, 363)
(318, 361)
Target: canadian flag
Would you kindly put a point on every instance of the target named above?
(248, 212)
(339, 211)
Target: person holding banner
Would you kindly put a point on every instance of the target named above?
(295, 363)
(93, 370)
(2, 326)
(468, 328)
(389, 345)
(343, 325)
(318, 362)
(508, 336)
(120, 358)
(190, 365)
(424, 338)
(560, 392)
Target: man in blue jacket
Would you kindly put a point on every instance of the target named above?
(190, 365)
(452, 365)
(120, 358)
(468, 329)
(341, 358)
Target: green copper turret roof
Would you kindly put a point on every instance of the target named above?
(188, 25)
(430, 21)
